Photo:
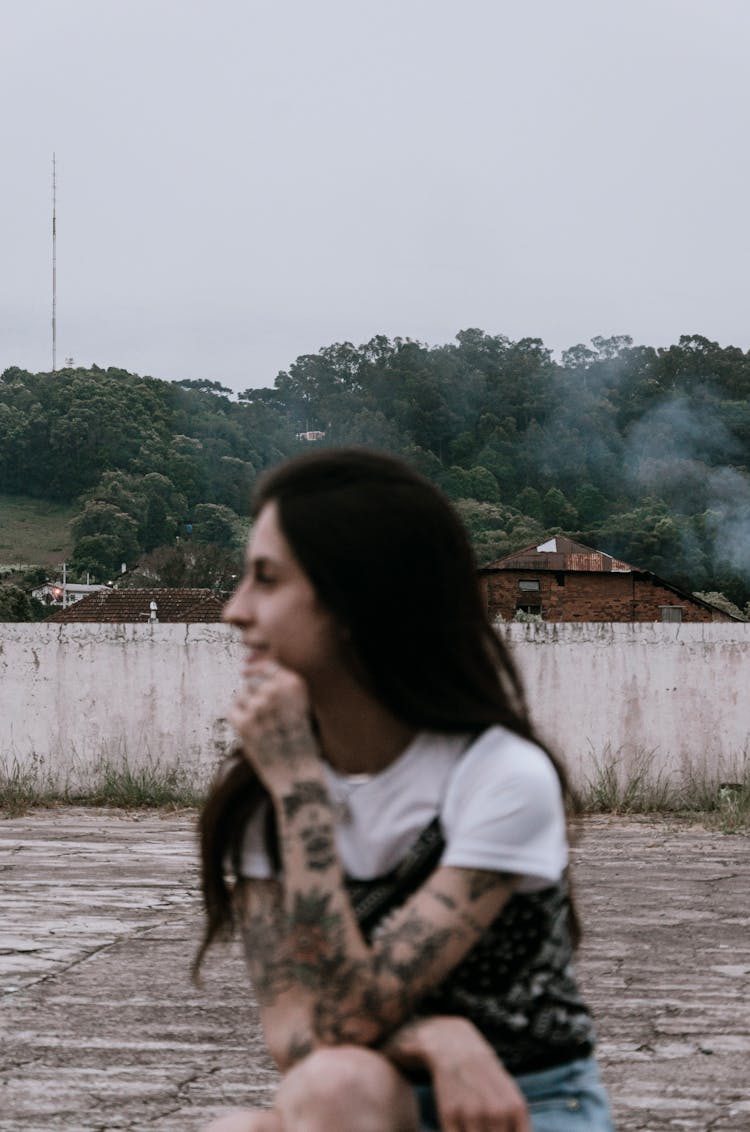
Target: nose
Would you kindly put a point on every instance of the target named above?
(238, 610)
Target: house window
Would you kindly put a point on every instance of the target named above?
(529, 586)
(671, 612)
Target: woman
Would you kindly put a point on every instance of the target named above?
(395, 830)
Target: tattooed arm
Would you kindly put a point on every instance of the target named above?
(285, 1005)
(470, 1081)
(321, 968)
(362, 993)
(317, 980)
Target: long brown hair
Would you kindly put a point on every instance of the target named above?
(389, 558)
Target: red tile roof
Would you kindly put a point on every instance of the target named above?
(182, 605)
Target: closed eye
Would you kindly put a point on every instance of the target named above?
(262, 573)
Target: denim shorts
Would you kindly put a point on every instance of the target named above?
(568, 1098)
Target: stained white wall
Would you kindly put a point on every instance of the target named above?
(72, 694)
(672, 695)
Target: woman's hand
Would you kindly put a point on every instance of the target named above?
(473, 1091)
(271, 715)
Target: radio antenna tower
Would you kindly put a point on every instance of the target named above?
(54, 263)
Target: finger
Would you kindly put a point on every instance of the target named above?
(520, 1121)
(448, 1115)
(267, 667)
(256, 675)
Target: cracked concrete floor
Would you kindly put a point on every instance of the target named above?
(102, 1028)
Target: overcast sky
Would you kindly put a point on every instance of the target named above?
(241, 181)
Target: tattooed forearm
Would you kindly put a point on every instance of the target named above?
(482, 881)
(318, 841)
(369, 1000)
(297, 947)
(462, 915)
(314, 936)
(309, 961)
(263, 926)
(408, 949)
(441, 897)
(304, 794)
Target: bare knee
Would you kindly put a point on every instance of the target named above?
(346, 1087)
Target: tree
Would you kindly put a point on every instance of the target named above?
(613, 347)
(97, 557)
(17, 605)
(105, 537)
(529, 502)
(216, 525)
(557, 511)
(496, 529)
(590, 503)
(155, 524)
(202, 386)
(653, 539)
(483, 485)
(189, 564)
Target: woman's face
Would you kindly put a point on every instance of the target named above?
(277, 609)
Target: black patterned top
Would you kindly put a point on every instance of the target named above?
(516, 984)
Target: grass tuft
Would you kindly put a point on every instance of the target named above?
(23, 787)
(144, 787)
(629, 782)
(112, 782)
(625, 783)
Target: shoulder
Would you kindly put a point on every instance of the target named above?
(500, 759)
(503, 809)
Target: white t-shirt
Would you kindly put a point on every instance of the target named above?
(498, 799)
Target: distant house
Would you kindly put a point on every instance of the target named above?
(63, 593)
(562, 580)
(141, 606)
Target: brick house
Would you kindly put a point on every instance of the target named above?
(562, 580)
(141, 606)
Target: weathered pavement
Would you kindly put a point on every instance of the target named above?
(102, 1028)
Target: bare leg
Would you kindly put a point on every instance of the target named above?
(345, 1089)
(247, 1120)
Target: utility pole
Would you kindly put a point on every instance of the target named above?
(54, 263)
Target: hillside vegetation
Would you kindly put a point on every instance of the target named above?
(641, 452)
(34, 531)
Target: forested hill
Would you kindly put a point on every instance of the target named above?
(641, 452)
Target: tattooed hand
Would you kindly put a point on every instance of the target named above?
(271, 715)
(473, 1091)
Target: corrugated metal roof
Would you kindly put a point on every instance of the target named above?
(561, 553)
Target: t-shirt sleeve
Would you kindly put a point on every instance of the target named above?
(503, 811)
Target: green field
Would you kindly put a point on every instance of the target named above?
(34, 531)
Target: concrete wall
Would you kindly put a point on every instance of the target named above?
(677, 692)
(72, 694)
